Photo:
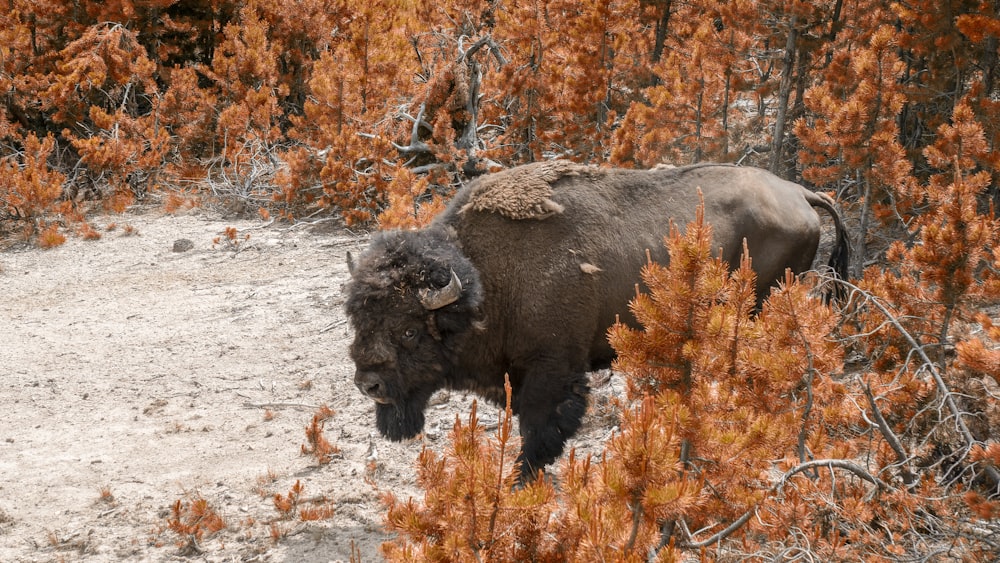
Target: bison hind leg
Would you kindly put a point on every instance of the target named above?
(547, 421)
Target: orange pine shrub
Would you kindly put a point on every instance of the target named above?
(851, 141)
(294, 505)
(187, 111)
(409, 206)
(245, 71)
(682, 120)
(28, 186)
(525, 97)
(615, 510)
(50, 237)
(470, 509)
(17, 39)
(749, 391)
(101, 92)
(589, 88)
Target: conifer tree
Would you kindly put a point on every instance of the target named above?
(470, 510)
(524, 94)
(346, 158)
(101, 92)
(748, 389)
(851, 141)
(932, 294)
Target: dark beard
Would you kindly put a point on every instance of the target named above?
(399, 422)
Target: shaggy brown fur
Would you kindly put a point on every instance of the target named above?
(524, 192)
(537, 297)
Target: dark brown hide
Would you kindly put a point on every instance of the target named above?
(539, 293)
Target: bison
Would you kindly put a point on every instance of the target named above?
(525, 271)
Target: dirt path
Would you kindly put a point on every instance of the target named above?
(149, 374)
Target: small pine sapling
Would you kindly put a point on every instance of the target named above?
(408, 207)
(263, 483)
(471, 509)
(29, 188)
(50, 237)
(88, 232)
(192, 521)
(318, 446)
(615, 510)
(106, 496)
(295, 506)
(286, 504)
(231, 239)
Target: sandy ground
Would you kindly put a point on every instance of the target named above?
(134, 376)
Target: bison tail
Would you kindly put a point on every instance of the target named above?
(840, 258)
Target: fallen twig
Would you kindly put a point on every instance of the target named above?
(280, 406)
(332, 326)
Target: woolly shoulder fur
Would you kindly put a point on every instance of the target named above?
(523, 192)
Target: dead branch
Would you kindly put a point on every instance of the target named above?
(723, 534)
(832, 464)
(418, 121)
(484, 41)
(250, 405)
(428, 167)
(946, 393)
(852, 467)
(416, 146)
(890, 438)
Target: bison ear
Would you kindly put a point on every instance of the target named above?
(434, 299)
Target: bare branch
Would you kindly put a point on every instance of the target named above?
(485, 40)
(418, 121)
(854, 468)
(416, 145)
(946, 393)
(304, 406)
(723, 534)
(890, 438)
(428, 167)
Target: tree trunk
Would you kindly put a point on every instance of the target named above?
(661, 33)
(784, 93)
(858, 250)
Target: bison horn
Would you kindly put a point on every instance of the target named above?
(433, 299)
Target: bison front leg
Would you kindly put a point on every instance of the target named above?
(550, 408)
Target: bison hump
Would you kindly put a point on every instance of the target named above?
(523, 192)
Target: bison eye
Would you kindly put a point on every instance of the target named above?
(410, 334)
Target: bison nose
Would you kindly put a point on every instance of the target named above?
(371, 385)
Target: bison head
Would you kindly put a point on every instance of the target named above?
(412, 300)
